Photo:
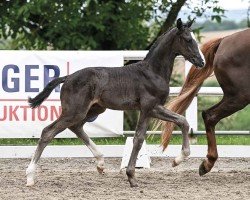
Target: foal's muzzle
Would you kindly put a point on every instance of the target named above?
(198, 62)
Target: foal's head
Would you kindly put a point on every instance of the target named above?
(185, 44)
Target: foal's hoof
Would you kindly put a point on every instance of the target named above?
(30, 179)
(30, 183)
(202, 169)
(133, 183)
(174, 164)
(100, 170)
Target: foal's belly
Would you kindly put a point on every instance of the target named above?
(119, 103)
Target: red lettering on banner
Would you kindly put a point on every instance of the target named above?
(42, 113)
(55, 113)
(33, 115)
(12, 112)
(25, 108)
(25, 113)
(4, 117)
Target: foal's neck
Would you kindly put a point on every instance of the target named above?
(161, 59)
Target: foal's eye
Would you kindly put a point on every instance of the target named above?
(188, 40)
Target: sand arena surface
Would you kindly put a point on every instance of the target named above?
(77, 178)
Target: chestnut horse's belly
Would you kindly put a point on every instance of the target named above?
(232, 65)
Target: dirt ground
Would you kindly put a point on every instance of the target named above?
(77, 178)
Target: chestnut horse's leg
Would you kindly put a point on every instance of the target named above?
(164, 114)
(137, 144)
(227, 106)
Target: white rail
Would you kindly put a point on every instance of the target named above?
(194, 132)
(117, 151)
(204, 91)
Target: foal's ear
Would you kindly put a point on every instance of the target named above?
(189, 24)
(179, 24)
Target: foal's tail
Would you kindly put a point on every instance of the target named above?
(37, 101)
(193, 82)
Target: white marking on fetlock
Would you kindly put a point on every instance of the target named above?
(30, 173)
(30, 180)
(184, 154)
(101, 163)
(98, 155)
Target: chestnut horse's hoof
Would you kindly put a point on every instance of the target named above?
(202, 169)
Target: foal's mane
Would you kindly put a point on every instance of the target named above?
(158, 40)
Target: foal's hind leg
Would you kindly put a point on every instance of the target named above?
(94, 111)
(160, 112)
(78, 130)
(48, 134)
(226, 107)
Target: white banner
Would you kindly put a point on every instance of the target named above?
(25, 73)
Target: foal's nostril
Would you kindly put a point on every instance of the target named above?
(202, 63)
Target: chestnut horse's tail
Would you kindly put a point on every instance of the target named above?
(37, 101)
(193, 82)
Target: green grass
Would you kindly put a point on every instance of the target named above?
(153, 139)
(221, 140)
(237, 121)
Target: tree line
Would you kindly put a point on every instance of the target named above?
(94, 24)
(224, 25)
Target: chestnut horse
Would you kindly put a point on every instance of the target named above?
(229, 59)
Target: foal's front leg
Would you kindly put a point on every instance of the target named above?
(138, 141)
(161, 113)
